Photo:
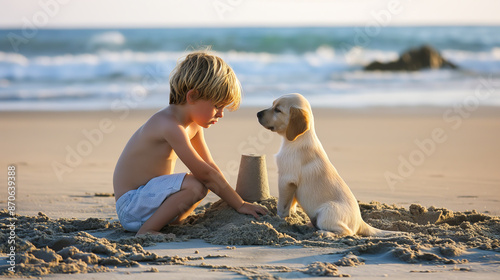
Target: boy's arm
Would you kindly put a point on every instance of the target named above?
(199, 144)
(208, 175)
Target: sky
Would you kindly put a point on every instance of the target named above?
(201, 13)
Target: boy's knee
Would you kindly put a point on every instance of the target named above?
(199, 190)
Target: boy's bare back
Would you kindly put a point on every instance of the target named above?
(148, 154)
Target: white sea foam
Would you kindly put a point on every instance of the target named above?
(107, 38)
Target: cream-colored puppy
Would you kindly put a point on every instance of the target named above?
(305, 173)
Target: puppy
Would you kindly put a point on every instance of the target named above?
(305, 173)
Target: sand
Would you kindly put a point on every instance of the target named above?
(447, 202)
(428, 236)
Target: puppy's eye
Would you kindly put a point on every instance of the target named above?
(277, 110)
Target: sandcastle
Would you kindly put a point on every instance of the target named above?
(252, 184)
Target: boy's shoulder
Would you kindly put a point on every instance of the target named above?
(162, 122)
(161, 119)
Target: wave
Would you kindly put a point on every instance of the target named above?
(68, 67)
(324, 61)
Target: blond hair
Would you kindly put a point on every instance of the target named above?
(210, 76)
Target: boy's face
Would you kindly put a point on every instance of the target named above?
(205, 113)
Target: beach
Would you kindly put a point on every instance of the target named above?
(404, 158)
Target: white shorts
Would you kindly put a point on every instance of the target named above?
(135, 207)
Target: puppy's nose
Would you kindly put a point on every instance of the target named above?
(259, 114)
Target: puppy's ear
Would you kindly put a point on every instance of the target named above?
(298, 123)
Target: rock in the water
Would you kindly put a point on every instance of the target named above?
(424, 57)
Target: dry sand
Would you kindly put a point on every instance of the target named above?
(443, 190)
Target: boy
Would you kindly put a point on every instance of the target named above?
(148, 196)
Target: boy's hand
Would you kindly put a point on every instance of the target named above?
(252, 209)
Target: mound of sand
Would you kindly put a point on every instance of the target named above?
(433, 235)
(220, 224)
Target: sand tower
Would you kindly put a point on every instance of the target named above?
(252, 184)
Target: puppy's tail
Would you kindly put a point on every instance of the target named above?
(367, 230)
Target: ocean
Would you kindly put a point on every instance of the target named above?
(108, 69)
